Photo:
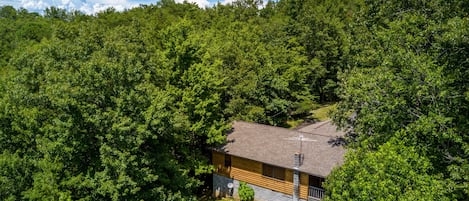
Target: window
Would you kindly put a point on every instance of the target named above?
(227, 160)
(273, 171)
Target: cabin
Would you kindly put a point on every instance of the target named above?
(278, 163)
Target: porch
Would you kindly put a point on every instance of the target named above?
(315, 193)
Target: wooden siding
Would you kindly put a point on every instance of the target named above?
(218, 160)
(251, 172)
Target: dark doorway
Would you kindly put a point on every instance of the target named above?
(316, 181)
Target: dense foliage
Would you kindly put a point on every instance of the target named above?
(125, 105)
(246, 193)
(405, 102)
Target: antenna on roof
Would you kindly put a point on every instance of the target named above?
(298, 158)
(300, 139)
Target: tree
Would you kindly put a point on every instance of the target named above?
(15, 175)
(406, 86)
(56, 13)
(128, 108)
(8, 12)
(100, 125)
(393, 172)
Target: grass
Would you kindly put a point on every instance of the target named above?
(319, 114)
(322, 113)
(226, 199)
(210, 198)
(293, 123)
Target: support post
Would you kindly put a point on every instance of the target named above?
(296, 177)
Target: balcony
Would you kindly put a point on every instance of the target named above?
(315, 193)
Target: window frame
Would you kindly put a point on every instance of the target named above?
(273, 172)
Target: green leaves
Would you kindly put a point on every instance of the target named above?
(126, 105)
(89, 118)
(246, 193)
(15, 175)
(405, 86)
(393, 172)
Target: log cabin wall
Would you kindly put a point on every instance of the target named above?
(250, 171)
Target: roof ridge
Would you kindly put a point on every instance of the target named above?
(323, 123)
(277, 127)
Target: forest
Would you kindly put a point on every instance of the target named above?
(126, 105)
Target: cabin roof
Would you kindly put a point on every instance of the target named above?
(277, 146)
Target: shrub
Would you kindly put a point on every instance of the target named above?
(245, 192)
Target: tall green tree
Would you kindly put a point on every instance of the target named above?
(407, 84)
(128, 107)
(394, 171)
(101, 125)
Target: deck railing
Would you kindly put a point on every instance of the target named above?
(315, 193)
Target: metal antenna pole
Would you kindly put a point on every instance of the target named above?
(297, 163)
(296, 173)
(296, 178)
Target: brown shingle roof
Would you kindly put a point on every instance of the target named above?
(276, 146)
(322, 128)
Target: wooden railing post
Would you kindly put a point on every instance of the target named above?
(315, 193)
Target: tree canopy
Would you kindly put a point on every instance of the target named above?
(126, 105)
(407, 84)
